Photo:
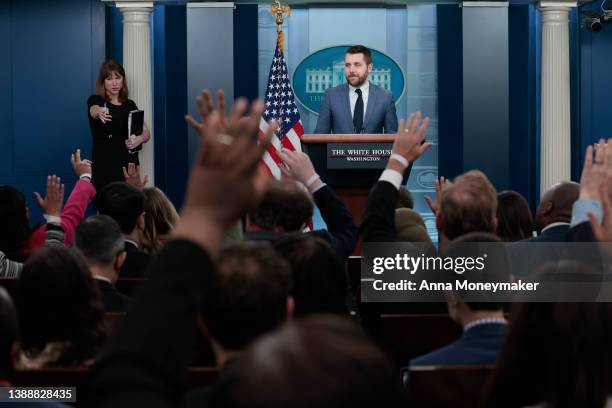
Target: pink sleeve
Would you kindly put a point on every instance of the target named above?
(74, 209)
(72, 214)
(36, 240)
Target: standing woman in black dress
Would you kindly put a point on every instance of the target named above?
(108, 115)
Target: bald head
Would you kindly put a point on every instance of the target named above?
(556, 204)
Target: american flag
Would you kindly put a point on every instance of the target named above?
(281, 107)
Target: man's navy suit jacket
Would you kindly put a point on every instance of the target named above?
(335, 113)
(478, 345)
(554, 234)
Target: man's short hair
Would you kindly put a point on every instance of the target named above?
(284, 205)
(248, 295)
(360, 49)
(468, 205)
(319, 283)
(320, 361)
(99, 239)
(123, 203)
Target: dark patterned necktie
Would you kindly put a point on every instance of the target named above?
(358, 112)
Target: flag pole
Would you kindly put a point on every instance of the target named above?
(278, 9)
(279, 102)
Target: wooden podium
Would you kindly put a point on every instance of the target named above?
(350, 175)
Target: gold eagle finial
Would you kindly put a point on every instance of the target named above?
(277, 9)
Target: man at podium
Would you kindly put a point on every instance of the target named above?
(357, 106)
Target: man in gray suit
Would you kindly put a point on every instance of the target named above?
(357, 106)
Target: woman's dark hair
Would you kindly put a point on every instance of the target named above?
(318, 277)
(14, 220)
(58, 301)
(556, 353)
(107, 68)
(514, 219)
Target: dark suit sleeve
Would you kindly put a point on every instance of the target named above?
(145, 363)
(324, 122)
(391, 118)
(340, 224)
(581, 233)
(378, 220)
(135, 264)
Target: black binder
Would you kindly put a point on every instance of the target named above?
(135, 122)
(135, 126)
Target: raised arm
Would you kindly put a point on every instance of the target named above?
(146, 361)
(340, 224)
(132, 176)
(378, 220)
(51, 204)
(79, 198)
(8, 268)
(594, 196)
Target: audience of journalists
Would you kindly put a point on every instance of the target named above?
(139, 295)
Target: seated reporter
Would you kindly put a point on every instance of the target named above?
(323, 361)
(515, 222)
(556, 353)
(286, 207)
(54, 233)
(246, 298)
(100, 241)
(60, 311)
(9, 335)
(160, 219)
(146, 361)
(480, 315)
(319, 282)
(160, 216)
(17, 238)
(125, 204)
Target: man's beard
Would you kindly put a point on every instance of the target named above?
(361, 81)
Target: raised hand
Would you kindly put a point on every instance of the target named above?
(227, 178)
(54, 196)
(297, 165)
(132, 176)
(595, 170)
(410, 138)
(80, 166)
(205, 106)
(434, 206)
(603, 231)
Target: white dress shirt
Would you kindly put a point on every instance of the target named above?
(365, 91)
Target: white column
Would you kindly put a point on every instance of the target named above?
(137, 64)
(555, 106)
